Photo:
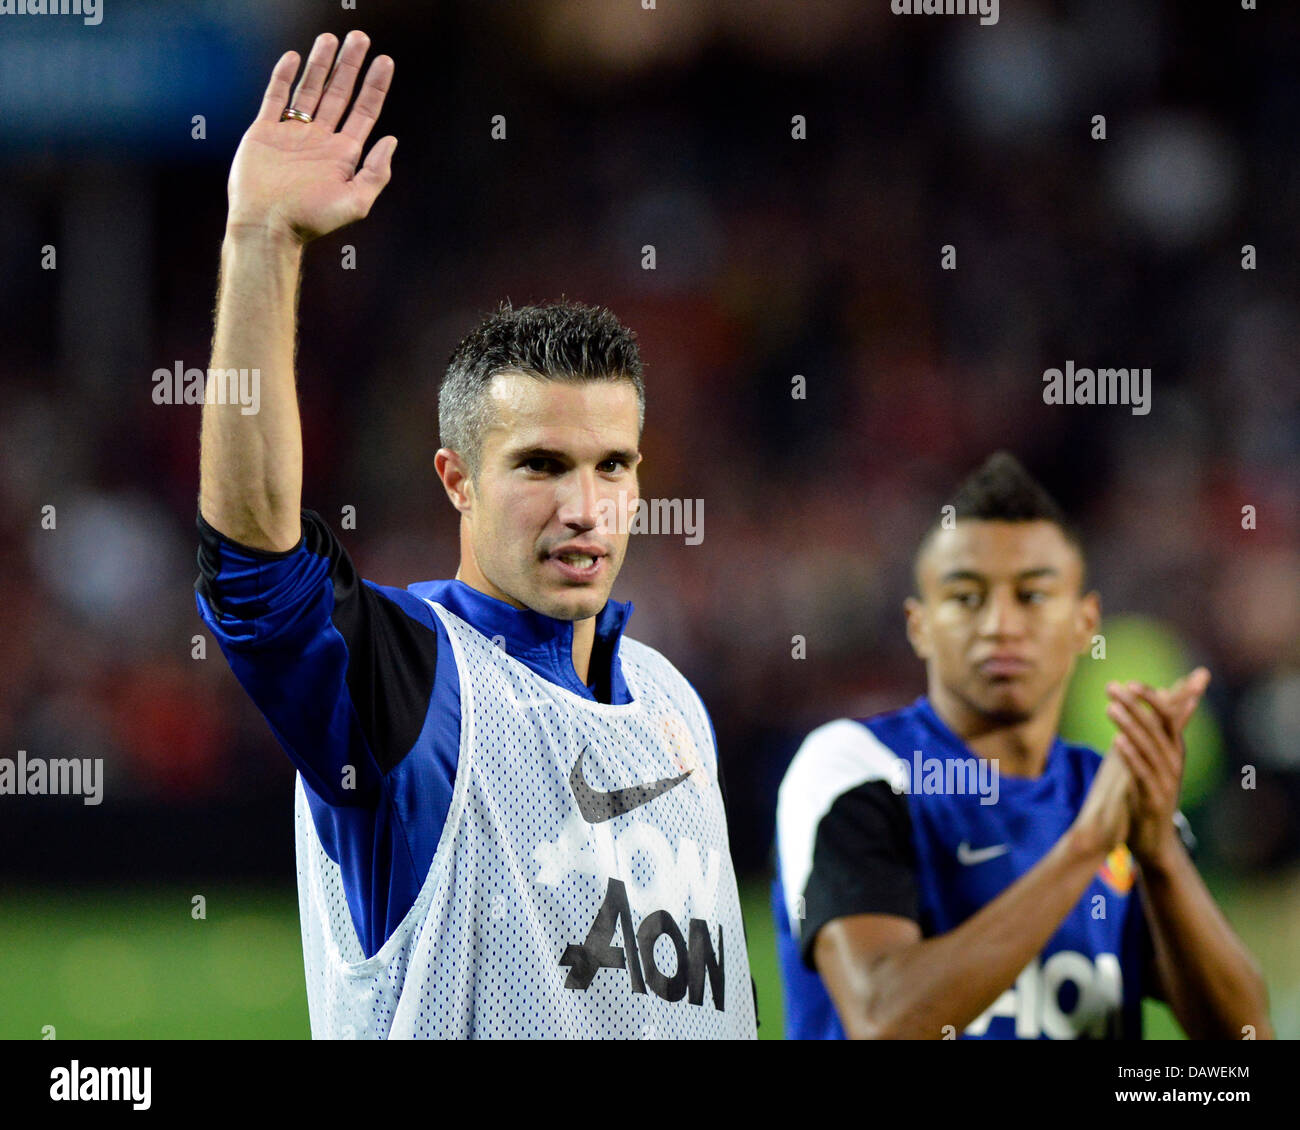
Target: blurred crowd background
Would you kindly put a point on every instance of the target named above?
(775, 257)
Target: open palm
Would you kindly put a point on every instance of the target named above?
(302, 178)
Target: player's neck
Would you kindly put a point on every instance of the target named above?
(584, 631)
(584, 638)
(1019, 748)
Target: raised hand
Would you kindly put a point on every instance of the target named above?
(1180, 700)
(301, 179)
(1150, 744)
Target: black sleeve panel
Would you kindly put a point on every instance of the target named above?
(864, 861)
(392, 656)
(287, 606)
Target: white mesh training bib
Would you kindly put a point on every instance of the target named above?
(582, 886)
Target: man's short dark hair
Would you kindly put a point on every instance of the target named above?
(1001, 490)
(554, 341)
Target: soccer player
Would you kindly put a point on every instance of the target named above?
(954, 868)
(509, 817)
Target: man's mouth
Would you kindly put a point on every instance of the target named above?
(1004, 667)
(578, 565)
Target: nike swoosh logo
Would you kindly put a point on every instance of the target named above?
(971, 856)
(597, 807)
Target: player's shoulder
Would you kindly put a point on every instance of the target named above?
(431, 592)
(875, 743)
(635, 649)
(838, 756)
(421, 596)
(632, 652)
(650, 663)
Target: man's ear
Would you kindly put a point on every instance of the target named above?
(918, 628)
(1089, 620)
(456, 479)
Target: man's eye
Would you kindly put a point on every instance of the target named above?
(1034, 596)
(539, 464)
(966, 599)
(612, 466)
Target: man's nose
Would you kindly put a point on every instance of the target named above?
(1003, 615)
(577, 500)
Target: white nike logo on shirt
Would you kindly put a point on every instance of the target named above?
(971, 856)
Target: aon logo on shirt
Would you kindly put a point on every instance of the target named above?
(1068, 996)
(696, 964)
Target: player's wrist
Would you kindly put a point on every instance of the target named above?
(1160, 859)
(262, 232)
(1082, 844)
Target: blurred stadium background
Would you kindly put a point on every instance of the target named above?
(775, 257)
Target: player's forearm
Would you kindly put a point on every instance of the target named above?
(250, 485)
(1210, 980)
(949, 980)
